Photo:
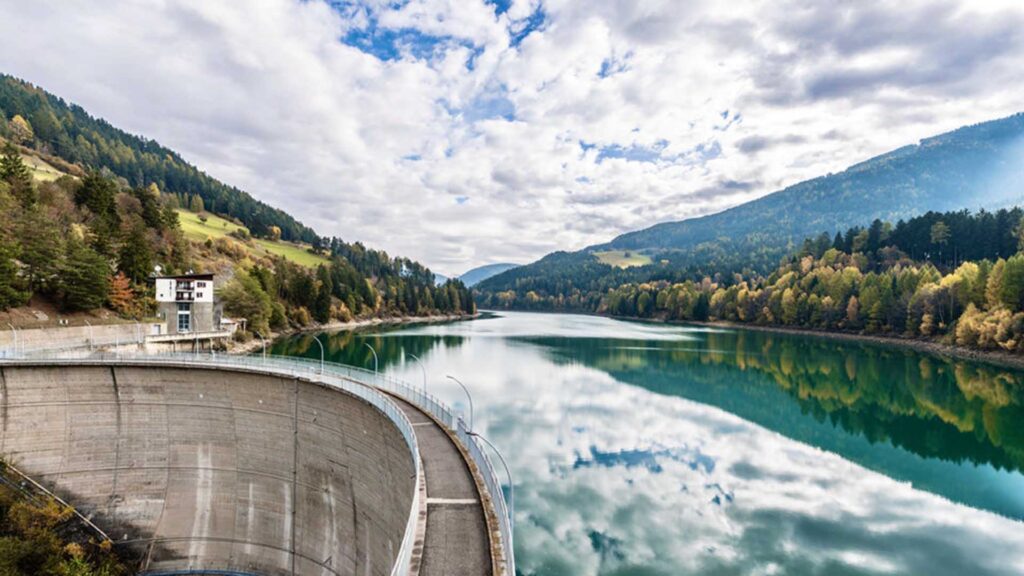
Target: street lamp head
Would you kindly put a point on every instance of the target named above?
(375, 362)
(468, 395)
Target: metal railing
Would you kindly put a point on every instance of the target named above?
(277, 367)
(447, 416)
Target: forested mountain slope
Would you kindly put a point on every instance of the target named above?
(979, 166)
(973, 167)
(69, 132)
(91, 212)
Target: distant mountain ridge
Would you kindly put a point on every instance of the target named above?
(974, 167)
(481, 273)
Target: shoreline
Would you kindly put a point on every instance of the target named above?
(998, 358)
(337, 326)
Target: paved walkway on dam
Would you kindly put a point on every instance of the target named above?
(457, 542)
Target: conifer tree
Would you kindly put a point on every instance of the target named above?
(17, 175)
(11, 294)
(135, 259)
(41, 249)
(322, 305)
(99, 195)
(196, 204)
(84, 277)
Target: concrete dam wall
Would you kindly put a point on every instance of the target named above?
(215, 469)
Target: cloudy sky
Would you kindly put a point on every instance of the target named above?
(462, 132)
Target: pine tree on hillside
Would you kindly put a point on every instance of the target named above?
(135, 259)
(41, 249)
(11, 295)
(196, 204)
(322, 305)
(84, 277)
(151, 210)
(17, 175)
(99, 195)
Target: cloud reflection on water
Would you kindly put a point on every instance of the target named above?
(615, 479)
(794, 509)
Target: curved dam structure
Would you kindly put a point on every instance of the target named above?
(220, 469)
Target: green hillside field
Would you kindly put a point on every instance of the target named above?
(623, 258)
(217, 227)
(41, 170)
(194, 228)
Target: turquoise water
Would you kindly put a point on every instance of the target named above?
(662, 450)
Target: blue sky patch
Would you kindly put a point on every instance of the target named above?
(520, 29)
(387, 44)
(489, 105)
(704, 152)
(612, 66)
(633, 153)
(500, 6)
(392, 44)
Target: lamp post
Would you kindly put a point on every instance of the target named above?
(317, 339)
(468, 395)
(15, 332)
(423, 368)
(91, 340)
(511, 487)
(264, 341)
(374, 356)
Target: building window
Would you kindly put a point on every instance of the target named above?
(184, 317)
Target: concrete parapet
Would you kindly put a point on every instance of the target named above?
(30, 340)
(215, 469)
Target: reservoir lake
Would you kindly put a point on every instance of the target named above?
(644, 449)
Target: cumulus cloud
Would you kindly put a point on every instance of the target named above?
(466, 132)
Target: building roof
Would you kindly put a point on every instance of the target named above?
(185, 277)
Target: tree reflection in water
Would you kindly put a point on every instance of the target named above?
(854, 399)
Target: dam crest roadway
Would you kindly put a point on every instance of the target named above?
(218, 464)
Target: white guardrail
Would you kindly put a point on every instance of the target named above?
(355, 380)
(444, 414)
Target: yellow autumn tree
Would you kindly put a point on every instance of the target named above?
(21, 130)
